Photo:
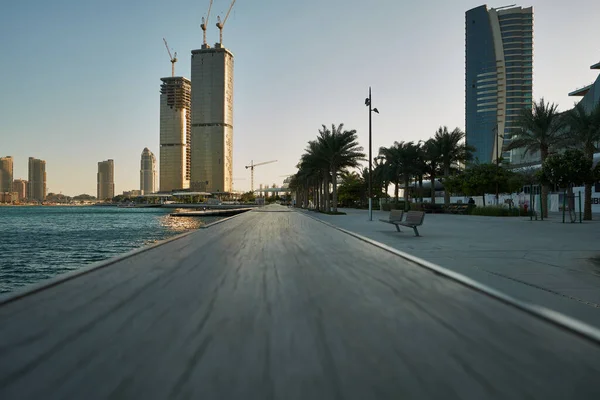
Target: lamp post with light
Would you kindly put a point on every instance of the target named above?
(369, 104)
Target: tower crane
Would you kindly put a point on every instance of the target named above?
(220, 24)
(251, 166)
(172, 58)
(204, 23)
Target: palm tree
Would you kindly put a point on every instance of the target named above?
(584, 133)
(315, 168)
(452, 152)
(338, 149)
(433, 160)
(391, 157)
(540, 129)
(403, 161)
(381, 175)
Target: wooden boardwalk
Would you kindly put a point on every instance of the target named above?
(275, 305)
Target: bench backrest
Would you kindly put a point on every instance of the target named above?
(396, 215)
(415, 217)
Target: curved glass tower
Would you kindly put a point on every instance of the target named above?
(499, 77)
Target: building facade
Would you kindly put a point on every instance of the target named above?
(20, 187)
(212, 120)
(590, 94)
(499, 79)
(106, 180)
(6, 174)
(175, 133)
(37, 179)
(148, 172)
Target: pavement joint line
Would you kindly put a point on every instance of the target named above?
(222, 220)
(565, 322)
(67, 276)
(589, 303)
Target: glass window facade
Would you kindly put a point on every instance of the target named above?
(498, 42)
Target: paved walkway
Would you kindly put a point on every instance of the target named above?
(276, 305)
(543, 262)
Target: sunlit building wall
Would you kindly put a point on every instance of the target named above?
(37, 179)
(212, 119)
(6, 174)
(106, 180)
(148, 172)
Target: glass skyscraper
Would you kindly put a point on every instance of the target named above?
(499, 77)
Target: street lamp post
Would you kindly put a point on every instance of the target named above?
(497, 162)
(368, 103)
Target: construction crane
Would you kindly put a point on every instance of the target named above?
(251, 166)
(221, 24)
(205, 22)
(172, 58)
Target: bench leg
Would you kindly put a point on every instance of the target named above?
(397, 228)
(416, 231)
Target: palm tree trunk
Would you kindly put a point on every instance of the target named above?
(545, 189)
(432, 189)
(334, 200)
(406, 183)
(544, 202)
(326, 191)
(446, 192)
(397, 183)
(587, 207)
(421, 188)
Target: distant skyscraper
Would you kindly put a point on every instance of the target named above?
(175, 133)
(20, 187)
(6, 174)
(499, 66)
(37, 179)
(212, 119)
(106, 180)
(148, 172)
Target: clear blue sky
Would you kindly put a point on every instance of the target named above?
(81, 78)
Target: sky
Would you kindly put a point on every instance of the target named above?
(81, 79)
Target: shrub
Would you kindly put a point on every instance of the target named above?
(496, 211)
(395, 206)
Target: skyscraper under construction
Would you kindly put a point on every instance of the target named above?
(212, 116)
(175, 133)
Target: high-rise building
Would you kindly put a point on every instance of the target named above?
(106, 180)
(499, 76)
(148, 172)
(6, 174)
(212, 119)
(20, 187)
(175, 133)
(37, 179)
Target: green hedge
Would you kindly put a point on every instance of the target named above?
(496, 211)
(395, 206)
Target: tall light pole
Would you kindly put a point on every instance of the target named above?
(496, 137)
(369, 104)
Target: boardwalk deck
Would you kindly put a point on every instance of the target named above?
(277, 305)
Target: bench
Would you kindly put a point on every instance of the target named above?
(394, 218)
(413, 219)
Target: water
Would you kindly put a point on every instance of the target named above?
(37, 243)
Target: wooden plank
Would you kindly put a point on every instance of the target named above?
(277, 305)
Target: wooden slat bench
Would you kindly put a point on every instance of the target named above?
(413, 219)
(395, 218)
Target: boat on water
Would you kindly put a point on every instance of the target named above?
(127, 205)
